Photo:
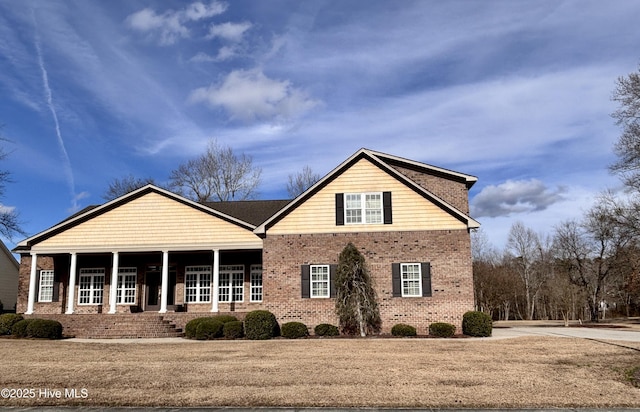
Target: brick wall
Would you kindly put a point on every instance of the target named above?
(448, 252)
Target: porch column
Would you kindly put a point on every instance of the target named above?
(216, 280)
(32, 284)
(114, 283)
(71, 292)
(165, 282)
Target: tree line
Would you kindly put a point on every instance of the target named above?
(586, 268)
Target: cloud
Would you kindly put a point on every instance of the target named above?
(250, 95)
(225, 53)
(515, 196)
(172, 25)
(228, 31)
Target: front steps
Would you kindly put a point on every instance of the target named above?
(112, 326)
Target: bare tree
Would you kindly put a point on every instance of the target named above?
(120, 187)
(301, 181)
(531, 261)
(217, 175)
(356, 303)
(10, 224)
(627, 95)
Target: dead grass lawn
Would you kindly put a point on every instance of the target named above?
(523, 372)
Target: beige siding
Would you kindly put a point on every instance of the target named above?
(8, 279)
(410, 210)
(151, 221)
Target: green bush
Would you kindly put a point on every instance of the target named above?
(294, 330)
(225, 318)
(477, 324)
(7, 321)
(260, 325)
(233, 330)
(191, 327)
(19, 329)
(325, 329)
(44, 329)
(209, 328)
(442, 330)
(402, 329)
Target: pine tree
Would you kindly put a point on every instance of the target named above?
(356, 303)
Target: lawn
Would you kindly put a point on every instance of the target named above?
(463, 373)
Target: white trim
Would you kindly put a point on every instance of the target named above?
(215, 293)
(164, 288)
(50, 281)
(114, 283)
(257, 244)
(32, 284)
(72, 284)
(403, 267)
(327, 281)
(92, 274)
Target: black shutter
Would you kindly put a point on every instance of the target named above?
(56, 287)
(339, 209)
(332, 280)
(306, 281)
(426, 279)
(395, 280)
(386, 208)
(38, 286)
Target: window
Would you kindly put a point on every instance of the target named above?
(91, 285)
(45, 294)
(363, 208)
(197, 284)
(126, 288)
(256, 283)
(411, 279)
(319, 281)
(231, 287)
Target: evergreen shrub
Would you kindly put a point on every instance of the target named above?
(209, 328)
(294, 330)
(260, 325)
(442, 330)
(19, 329)
(44, 329)
(191, 327)
(402, 329)
(477, 324)
(7, 321)
(225, 318)
(325, 329)
(233, 330)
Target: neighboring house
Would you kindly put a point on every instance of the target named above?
(154, 251)
(8, 279)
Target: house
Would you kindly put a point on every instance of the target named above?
(8, 279)
(154, 251)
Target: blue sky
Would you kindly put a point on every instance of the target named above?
(517, 93)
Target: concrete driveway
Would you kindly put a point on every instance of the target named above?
(621, 334)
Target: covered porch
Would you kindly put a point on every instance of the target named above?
(131, 282)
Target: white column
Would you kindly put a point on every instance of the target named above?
(114, 283)
(71, 289)
(216, 281)
(32, 284)
(165, 282)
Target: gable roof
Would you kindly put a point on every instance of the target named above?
(383, 161)
(250, 211)
(93, 211)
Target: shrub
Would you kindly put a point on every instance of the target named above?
(44, 329)
(476, 324)
(324, 329)
(294, 330)
(19, 329)
(7, 321)
(261, 324)
(191, 327)
(233, 330)
(442, 330)
(209, 328)
(225, 318)
(401, 329)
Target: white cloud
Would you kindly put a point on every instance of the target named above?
(515, 196)
(172, 25)
(250, 95)
(225, 53)
(228, 31)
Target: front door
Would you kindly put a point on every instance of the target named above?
(153, 289)
(153, 281)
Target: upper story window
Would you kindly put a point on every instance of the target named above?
(363, 208)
